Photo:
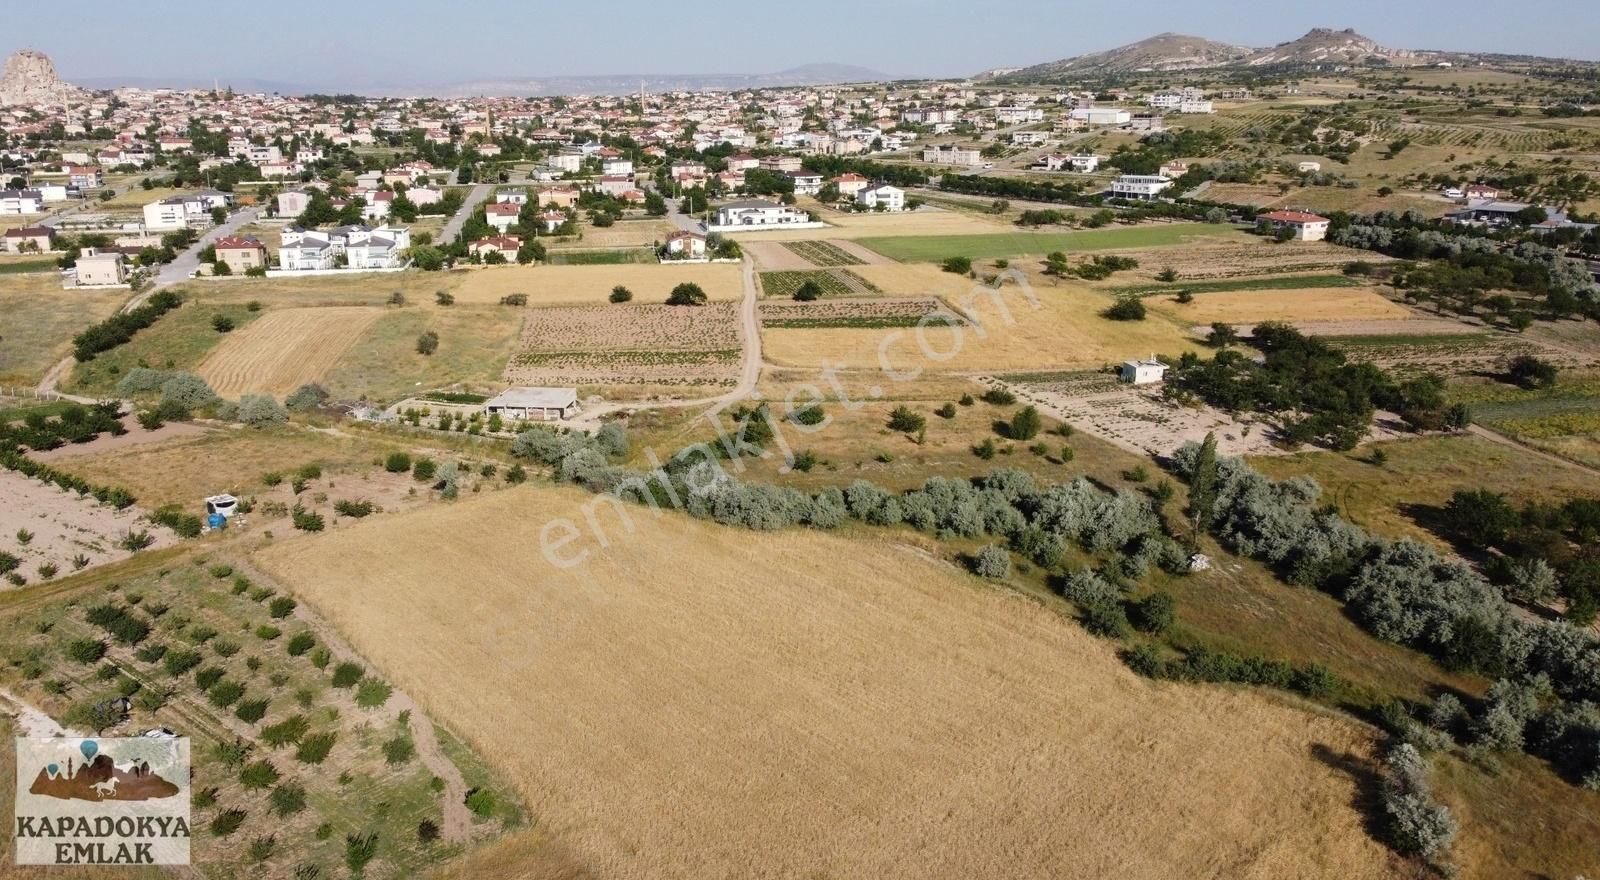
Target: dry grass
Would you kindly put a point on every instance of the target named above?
(662, 703)
(38, 320)
(1060, 329)
(591, 285)
(850, 226)
(284, 349)
(1316, 304)
(624, 233)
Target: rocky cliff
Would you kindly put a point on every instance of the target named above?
(30, 78)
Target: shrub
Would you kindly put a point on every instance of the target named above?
(306, 397)
(359, 849)
(281, 607)
(1531, 372)
(314, 749)
(1025, 425)
(810, 291)
(222, 323)
(903, 419)
(372, 693)
(397, 463)
(353, 509)
(178, 662)
(288, 799)
(267, 632)
(227, 821)
(260, 411)
(427, 831)
(957, 265)
(306, 520)
(444, 299)
(620, 294)
(999, 397)
(424, 470)
(1105, 618)
(251, 711)
(289, 730)
(86, 651)
(225, 693)
(347, 674)
(1126, 309)
(427, 343)
(687, 294)
(514, 299)
(210, 675)
(399, 750)
(1154, 613)
(992, 562)
(258, 774)
(188, 391)
(1416, 822)
(299, 643)
(481, 802)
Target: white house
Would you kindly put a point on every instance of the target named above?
(534, 404)
(1018, 115)
(805, 182)
(501, 215)
(95, 269)
(1030, 138)
(883, 196)
(1306, 227)
(1145, 187)
(1144, 372)
(850, 184)
(620, 167)
(686, 245)
(758, 212)
(1101, 116)
(21, 201)
(379, 248)
(1084, 163)
(950, 154)
(362, 247)
(178, 212)
(306, 251)
(511, 197)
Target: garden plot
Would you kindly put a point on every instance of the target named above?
(628, 345)
(822, 253)
(284, 349)
(65, 532)
(853, 313)
(1242, 256)
(834, 282)
(1458, 354)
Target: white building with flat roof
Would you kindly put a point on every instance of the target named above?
(534, 404)
(1147, 372)
(1145, 187)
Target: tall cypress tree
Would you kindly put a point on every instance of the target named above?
(1203, 489)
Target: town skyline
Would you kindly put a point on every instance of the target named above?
(428, 52)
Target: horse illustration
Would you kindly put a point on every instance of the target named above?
(107, 788)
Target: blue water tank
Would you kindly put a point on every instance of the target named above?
(216, 521)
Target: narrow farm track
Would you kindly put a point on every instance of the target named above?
(1503, 440)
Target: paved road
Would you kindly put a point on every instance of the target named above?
(452, 228)
(189, 261)
(178, 270)
(686, 222)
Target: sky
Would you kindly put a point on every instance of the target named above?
(412, 42)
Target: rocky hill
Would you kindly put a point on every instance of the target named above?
(1160, 52)
(1173, 52)
(30, 78)
(1327, 46)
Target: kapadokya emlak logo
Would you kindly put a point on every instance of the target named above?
(106, 801)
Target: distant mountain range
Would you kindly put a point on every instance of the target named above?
(616, 84)
(1175, 52)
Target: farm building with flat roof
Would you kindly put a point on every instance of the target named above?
(534, 404)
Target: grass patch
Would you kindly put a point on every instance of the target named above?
(600, 258)
(28, 267)
(934, 248)
(178, 340)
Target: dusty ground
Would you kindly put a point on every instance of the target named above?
(1299, 306)
(106, 443)
(591, 285)
(64, 526)
(700, 701)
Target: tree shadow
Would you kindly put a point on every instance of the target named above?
(1368, 798)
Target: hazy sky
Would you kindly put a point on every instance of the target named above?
(415, 42)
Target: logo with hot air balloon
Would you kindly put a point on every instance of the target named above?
(102, 801)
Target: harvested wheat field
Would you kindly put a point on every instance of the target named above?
(700, 701)
(929, 221)
(1319, 304)
(591, 285)
(1059, 327)
(284, 349)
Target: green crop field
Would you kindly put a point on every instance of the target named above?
(934, 248)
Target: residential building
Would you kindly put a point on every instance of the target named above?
(533, 404)
(758, 212)
(1144, 187)
(850, 184)
(1306, 227)
(29, 239)
(15, 202)
(511, 196)
(951, 154)
(241, 254)
(1102, 116)
(619, 167)
(1173, 170)
(1030, 138)
(97, 268)
(504, 245)
(614, 185)
(501, 215)
(883, 197)
(686, 245)
(1084, 163)
(1147, 372)
(805, 182)
(1018, 115)
(85, 177)
(558, 197)
(778, 163)
(292, 203)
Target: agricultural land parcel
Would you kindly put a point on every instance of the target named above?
(628, 345)
(285, 349)
(847, 683)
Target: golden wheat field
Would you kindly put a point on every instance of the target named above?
(591, 285)
(1058, 327)
(1315, 304)
(284, 349)
(699, 701)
